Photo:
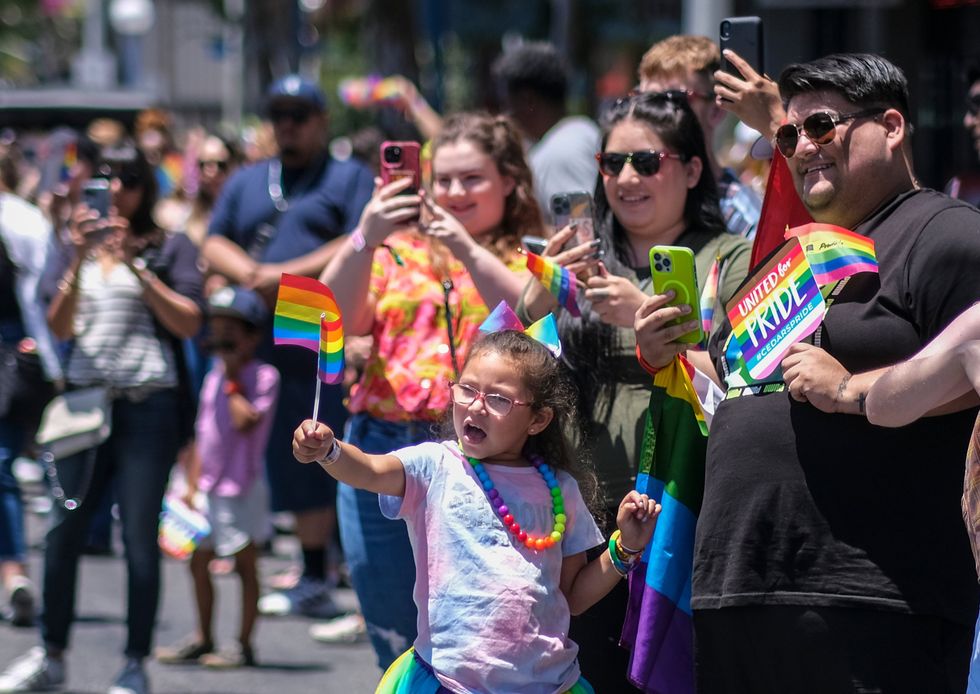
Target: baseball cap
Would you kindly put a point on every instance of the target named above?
(238, 302)
(298, 88)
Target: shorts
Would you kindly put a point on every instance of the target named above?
(409, 674)
(238, 520)
(293, 486)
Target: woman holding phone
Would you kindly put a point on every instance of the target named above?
(126, 293)
(418, 274)
(654, 188)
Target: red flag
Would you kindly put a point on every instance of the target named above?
(781, 207)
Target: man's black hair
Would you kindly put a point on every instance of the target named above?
(864, 79)
(535, 66)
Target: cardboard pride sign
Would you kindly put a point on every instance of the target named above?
(779, 306)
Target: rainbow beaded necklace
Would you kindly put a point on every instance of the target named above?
(502, 510)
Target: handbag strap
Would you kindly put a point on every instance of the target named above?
(74, 502)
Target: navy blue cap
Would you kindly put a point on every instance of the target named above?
(238, 302)
(296, 87)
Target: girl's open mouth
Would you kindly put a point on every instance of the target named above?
(473, 434)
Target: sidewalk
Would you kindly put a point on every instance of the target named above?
(290, 662)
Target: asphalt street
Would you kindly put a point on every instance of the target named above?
(289, 661)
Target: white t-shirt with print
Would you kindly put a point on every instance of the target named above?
(492, 617)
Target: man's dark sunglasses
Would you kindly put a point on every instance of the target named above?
(298, 115)
(820, 128)
(221, 164)
(644, 163)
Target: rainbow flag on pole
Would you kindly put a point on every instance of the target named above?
(658, 628)
(835, 252)
(557, 279)
(307, 316)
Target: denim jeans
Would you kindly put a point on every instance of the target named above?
(135, 461)
(377, 549)
(12, 545)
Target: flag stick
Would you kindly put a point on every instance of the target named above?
(316, 398)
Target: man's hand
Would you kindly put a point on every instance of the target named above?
(813, 376)
(754, 99)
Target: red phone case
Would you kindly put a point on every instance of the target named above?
(400, 160)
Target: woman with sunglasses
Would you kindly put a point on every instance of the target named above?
(654, 188)
(421, 289)
(126, 295)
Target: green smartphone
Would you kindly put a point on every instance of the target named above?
(673, 267)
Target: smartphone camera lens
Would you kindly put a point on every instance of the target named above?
(393, 154)
(657, 257)
(658, 267)
(667, 264)
(726, 30)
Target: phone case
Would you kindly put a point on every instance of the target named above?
(95, 194)
(400, 160)
(744, 36)
(673, 267)
(576, 207)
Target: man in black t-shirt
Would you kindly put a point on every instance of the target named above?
(830, 554)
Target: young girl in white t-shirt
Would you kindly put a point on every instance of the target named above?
(498, 527)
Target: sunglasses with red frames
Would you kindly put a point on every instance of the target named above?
(820, 128)
(646, 163)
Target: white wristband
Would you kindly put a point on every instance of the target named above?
(358, 241)
(331, 457)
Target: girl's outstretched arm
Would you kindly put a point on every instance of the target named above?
(584, 584)
(381, 474)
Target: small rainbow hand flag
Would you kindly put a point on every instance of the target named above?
(557, 279)
(835, 252)
(307, 315)
(709, 297)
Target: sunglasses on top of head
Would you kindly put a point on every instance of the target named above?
(820, 128)
(646, 163)
(672, 96)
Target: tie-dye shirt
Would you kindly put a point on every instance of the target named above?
(407, 375)
(492, 617)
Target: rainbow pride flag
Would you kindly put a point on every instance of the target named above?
(557, 280)
(835, 252)
(307, 315)
(779, 305)
(658, 629)
(709, 297)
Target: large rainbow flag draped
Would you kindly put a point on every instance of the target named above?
(557, 279)
(307, 316)
(659, 628)
(835, 252)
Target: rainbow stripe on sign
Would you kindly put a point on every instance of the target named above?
(835, 252)
(779, 306)
(307, 316)
(557, 279)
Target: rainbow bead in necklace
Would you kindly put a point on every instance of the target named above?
(502, 510)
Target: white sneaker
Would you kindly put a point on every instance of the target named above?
(131, 679)
(350, 628)
(21, 609)
(33, 672)
(310, 597)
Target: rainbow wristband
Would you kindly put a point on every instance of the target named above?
(622, 567)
